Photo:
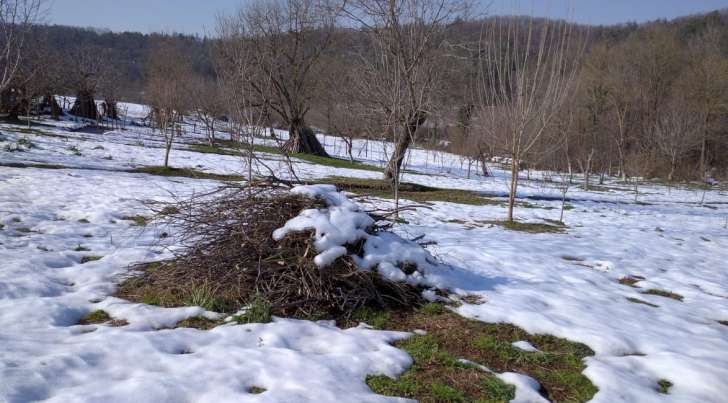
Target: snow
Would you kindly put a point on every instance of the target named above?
(343, 223)
(526, 387)
(525, 346)
(560, 284)
(43, 294)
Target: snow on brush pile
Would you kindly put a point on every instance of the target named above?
(344, 223)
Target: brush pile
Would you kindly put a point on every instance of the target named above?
(226, 257)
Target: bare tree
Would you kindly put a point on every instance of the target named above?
(16, 19)
(246, 103)
(402, 63)
(285, 40)
(676, 133)
(705, 85)
(209, 104)
(168, 89)
(85, 68)
(109, 87)
(528, 70)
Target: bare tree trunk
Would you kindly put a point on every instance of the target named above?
(400, 150)
(85, 106)
(395, 162)
(702, 172)
(168, 148)
(301, 139)
(513, 189)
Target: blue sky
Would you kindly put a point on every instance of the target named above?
(199, 16)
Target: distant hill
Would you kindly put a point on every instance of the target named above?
(129, 51)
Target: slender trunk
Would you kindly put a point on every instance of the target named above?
(212, 131)
(513, 188)
(484, 167)
(168, 137)
(702, 172)
(167, 149)
(350, 148)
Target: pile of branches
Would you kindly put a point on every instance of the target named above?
(228, 259)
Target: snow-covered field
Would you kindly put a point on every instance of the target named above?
(564, 284)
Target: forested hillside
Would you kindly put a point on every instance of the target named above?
(650, 99)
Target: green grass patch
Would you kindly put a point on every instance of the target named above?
(532, 228)
(377, 319)
(169, 210)
(32, 165)
(663, 386)
(87, 259)
(259, 311)
(438, 376)
(80, 248)
(204, 297)
(95, 317)
(630, 280)
(442, 369)
(185, 173)
(233, 148)
(24, 230)
(84, 221)
(408, 191)
(138, 220)
(642, 302)
(445, 393)
(256, 390)
(433, 308)
(663, 293)
(336, 162)
(198, 322)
